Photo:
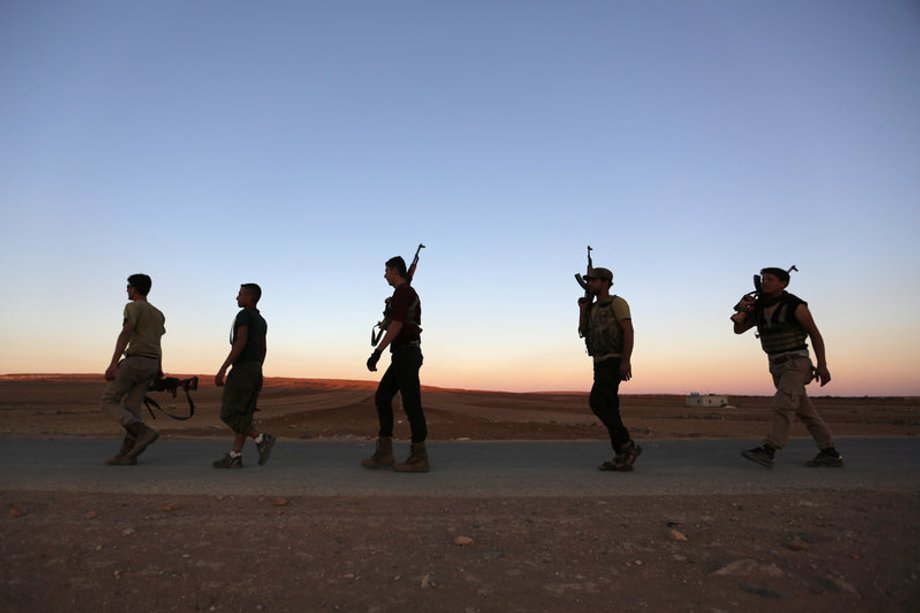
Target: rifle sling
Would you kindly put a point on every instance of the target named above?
(150, 402)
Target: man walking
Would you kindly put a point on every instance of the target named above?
(128, 378)
(403, 336)
(784, 323)
(606, 325)
(244, 383)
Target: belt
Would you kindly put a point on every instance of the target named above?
(415, 343)
(785, 357)
(146, 357)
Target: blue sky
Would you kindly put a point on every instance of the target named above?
(301, 144)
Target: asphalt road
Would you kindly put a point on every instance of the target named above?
(459, 468)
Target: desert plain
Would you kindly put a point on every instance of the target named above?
(853, 546)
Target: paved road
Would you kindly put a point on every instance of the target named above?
(460, 468)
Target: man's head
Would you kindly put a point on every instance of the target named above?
(249, 295)
(778, 273)
(395, 271)
(602, 275)
(140, 284)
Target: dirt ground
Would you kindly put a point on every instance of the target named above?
(854, 550)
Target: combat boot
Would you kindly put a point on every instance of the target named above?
(417, 462)
(121, 458)
(143, 438)
(383, 455)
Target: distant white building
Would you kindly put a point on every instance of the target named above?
(696, 399)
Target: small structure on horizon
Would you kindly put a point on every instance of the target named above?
(696, 399)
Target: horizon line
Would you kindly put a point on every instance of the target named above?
(373, 383)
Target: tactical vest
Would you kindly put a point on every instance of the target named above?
(411, 315)
(603, 335)
(782, 332)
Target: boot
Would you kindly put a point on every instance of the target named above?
(143, 438)
(383, 456)
(417, 462)
(121, 458)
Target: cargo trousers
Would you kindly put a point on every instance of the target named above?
(791, 373)
(123, 398)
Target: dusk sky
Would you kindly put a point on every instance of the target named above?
(300, 144)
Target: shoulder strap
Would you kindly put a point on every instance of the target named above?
(151, 404)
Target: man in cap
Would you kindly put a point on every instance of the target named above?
(606, 325)
(784, 323)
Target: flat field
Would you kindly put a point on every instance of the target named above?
(829, 549)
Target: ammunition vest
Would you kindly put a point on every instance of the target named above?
(782, 332)
(603, 335)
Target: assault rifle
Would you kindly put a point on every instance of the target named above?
(381, 326)
(755, 295)
(172, 385)
(581, 280)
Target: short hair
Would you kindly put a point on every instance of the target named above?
(141, 283)
(779, 273)
(254, 290)
(399, 264)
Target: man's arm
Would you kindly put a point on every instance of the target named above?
(239, 343)
(744, 319)
(127, 331)
(626, 328)
(743, 322)
(803, 316)
(392, 332)
(583, 304)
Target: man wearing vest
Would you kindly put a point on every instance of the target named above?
(784, 323)
(244, 383)
(128, 378)
(606, 326)
(403, 336)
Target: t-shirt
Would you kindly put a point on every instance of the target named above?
(405, 307)
(149, 326)
(254, 351)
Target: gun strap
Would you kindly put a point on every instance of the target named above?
(150, 402)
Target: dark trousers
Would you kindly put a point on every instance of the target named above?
(605, 401)
(402, 377)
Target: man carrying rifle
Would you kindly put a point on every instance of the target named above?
(403, 337)
(606, 325)
(784, 323)
(128, 378)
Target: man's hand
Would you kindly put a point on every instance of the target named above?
(372, 361)
(822, 374)
(625, 370)
(219, 377)
(746, 304)
(110, 372)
